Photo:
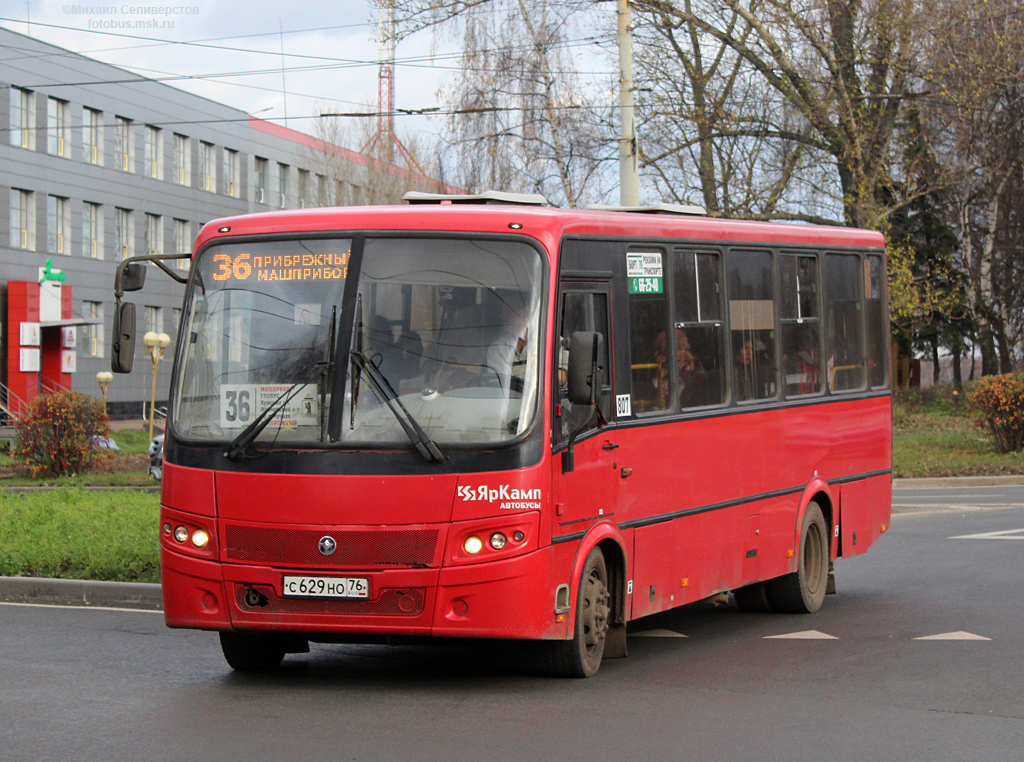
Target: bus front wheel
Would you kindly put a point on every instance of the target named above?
(803, 591)
(581, 656)
(252, 651)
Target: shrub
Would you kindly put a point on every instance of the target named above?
(1000, 401)
(55, 436)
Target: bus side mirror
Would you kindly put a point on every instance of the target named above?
(133, 277)
(123, 344)
(586, 350)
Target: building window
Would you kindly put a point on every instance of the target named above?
(282, 185)
(260, 189)
(322, 198)
(175, 320)
(23, 133)
(182, 242)
(92, 335)
(207, 167)
(58, 225)
(92, 230)
(124, 227)
(23, 219)
(123, 144)
(58, 128)
(304, 190)
(154, 152)
(92, 136)
(154, 235)
(154, 319)
(182, 161)
(231, 173)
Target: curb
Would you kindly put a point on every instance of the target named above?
(958, 481)
(76, 592)
(150, 489)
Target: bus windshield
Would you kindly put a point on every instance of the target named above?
(441, 331)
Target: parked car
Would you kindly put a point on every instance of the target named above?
(156, 457)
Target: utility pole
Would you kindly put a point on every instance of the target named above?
(629, 164)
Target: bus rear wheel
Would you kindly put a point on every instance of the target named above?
(252, 651)
(581, 656)
(803, 591)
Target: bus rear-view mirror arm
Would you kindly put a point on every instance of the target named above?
(130, 275)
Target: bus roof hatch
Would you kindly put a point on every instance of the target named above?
(697, 211)
(487, 197)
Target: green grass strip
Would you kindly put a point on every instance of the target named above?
(77, 534)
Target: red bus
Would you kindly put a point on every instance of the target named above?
(504, 420)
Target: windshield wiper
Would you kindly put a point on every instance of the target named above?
(424, 444)
(247, 435)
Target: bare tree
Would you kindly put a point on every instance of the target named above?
(975, 69)
(520, 119)
(843, 67)
(712, 132)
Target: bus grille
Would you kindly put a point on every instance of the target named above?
(407, 602)
(356, 547)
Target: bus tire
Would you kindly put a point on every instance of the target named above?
(753, 599)
(581, 655)
(252, 651)
(803, 591)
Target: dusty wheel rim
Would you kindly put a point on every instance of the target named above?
(595, 613)
(814, 551)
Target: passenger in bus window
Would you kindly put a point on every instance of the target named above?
(506, 355)
(412, 377)
(753, 374)
(690, 375)
(385, 354)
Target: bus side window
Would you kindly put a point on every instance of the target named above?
(877, 320)
(650, 342)
(581, 311)
(699, 351)
(752, 323)
(801, 325)
(844, 341)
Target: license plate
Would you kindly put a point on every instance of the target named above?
(326, 587)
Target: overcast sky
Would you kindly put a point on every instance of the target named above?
(329, 51)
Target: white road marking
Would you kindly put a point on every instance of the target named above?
(656, 634)
(1007, 534)
(805, 635)
(960, 635)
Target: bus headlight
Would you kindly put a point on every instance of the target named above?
(200, 538)
(473, 545)
(498, 541)
(180, 533)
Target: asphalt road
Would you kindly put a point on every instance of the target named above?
(701, 683)
(915, 495)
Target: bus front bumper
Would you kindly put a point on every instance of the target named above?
(511, 598)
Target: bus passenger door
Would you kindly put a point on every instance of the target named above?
(586, 485)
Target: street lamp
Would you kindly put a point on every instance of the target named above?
(103, 378)
(155, 343)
